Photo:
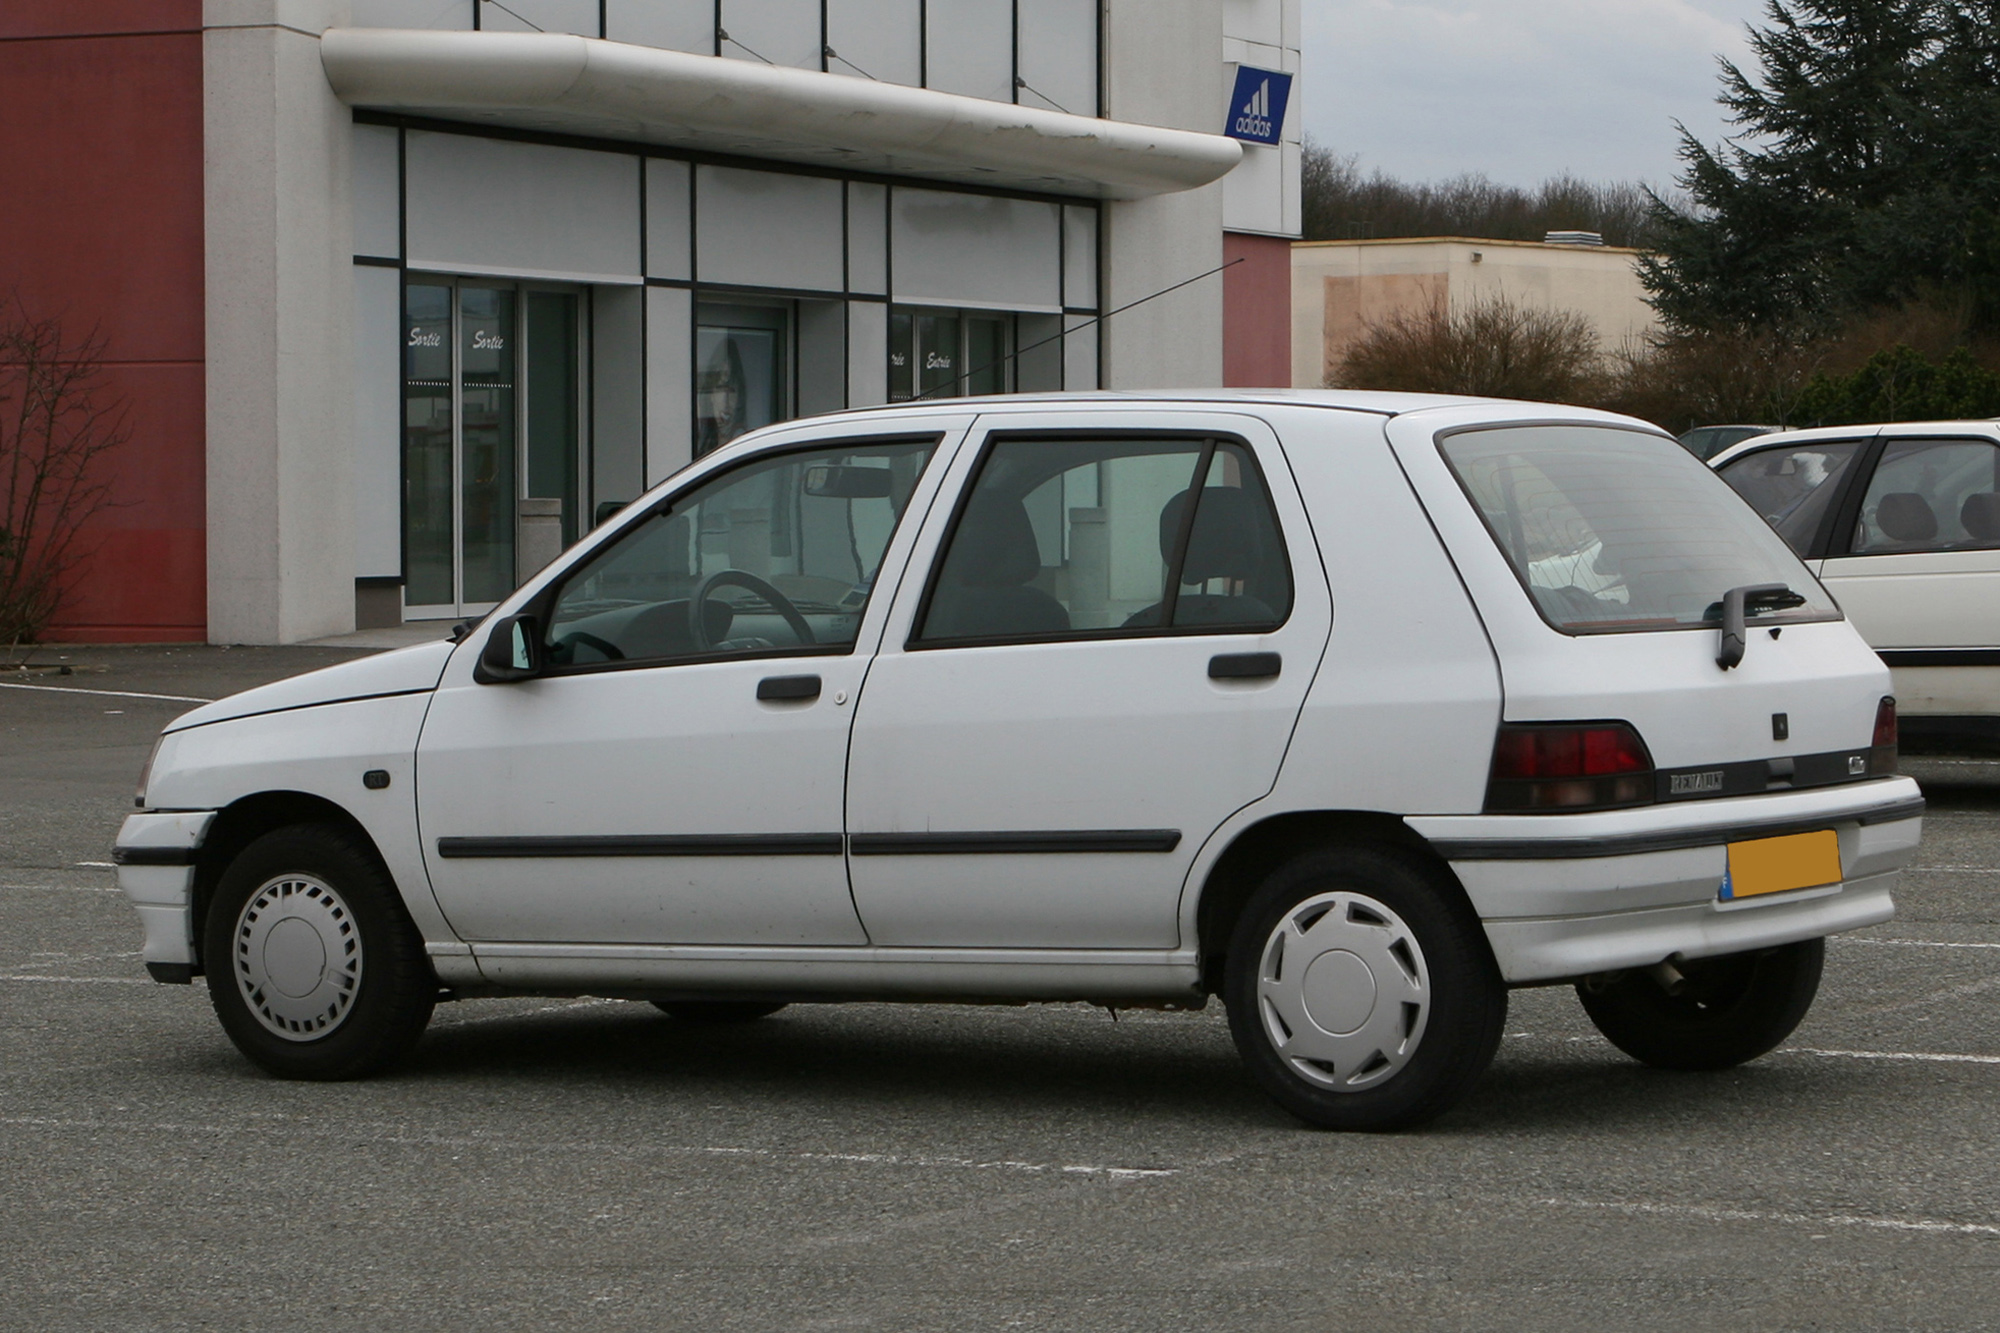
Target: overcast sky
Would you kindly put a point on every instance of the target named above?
(1520, 90)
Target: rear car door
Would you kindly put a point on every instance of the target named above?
(1099, 655)
(1917, 567)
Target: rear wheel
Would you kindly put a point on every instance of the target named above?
(1725, 1011)
(717, 1011)
(314, 968)
(1361, 993)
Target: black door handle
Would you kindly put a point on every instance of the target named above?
(1244, 666)
(788, 688)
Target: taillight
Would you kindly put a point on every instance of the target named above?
(1882, 750)
(1567, 767)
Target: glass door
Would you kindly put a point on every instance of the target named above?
(946, 353)
(492, 412)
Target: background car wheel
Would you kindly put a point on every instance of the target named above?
(716, 1011)
(313, 966)
(1361, 992)
(1729, 1010)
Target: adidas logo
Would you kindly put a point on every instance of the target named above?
(1254, 120)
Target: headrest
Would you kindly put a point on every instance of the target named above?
(1227, 541)
(995, 546)
(1980, 516)
(1905, 516)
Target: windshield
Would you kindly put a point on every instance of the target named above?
(1613, 530)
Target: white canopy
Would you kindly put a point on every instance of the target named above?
(580, 85)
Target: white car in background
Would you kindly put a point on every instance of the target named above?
(1357, 710)
(1902, 524)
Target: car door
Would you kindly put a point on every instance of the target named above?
(674, 775)
(1103, 659)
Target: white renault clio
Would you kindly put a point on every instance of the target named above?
(1356, 710)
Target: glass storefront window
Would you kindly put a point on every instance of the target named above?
(553, 407)
(742, 371)
(947, 354)
(427, 446)
(487, 509)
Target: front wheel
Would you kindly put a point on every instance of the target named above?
(1723, 1012)
(1361, 992)
(314, 968)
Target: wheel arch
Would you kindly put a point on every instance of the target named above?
(1261, 848)
(249, 818)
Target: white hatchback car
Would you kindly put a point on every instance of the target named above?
(1357, 710)
(1902, 523)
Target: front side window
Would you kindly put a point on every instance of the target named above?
(1792, 487)
(1932, 495)
(1614, 530)
(778, 555)
(1096, 537)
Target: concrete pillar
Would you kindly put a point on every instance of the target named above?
(1160, 73)
(280, 324)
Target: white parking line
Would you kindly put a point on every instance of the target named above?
(109, 694)
(1936, 1057)
(79, 981)
(349, 1133)
(1700, 1212)
(1909, 944)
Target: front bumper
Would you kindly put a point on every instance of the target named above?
(155, 856)
(1568, 895)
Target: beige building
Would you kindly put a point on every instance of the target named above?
(1341, 287)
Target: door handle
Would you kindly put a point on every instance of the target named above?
(788, 688)
(1244, 666)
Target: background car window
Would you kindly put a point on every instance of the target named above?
(779, 554)
(1790, 487)
(1931, 495)
(1620, 530)
(1077, 537)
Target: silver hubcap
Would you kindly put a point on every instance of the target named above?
(298, 957)
(1343, 991)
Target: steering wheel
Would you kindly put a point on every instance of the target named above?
(697, 623)
(610, 650)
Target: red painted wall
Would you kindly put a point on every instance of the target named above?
(1256, 312)
(101, 225)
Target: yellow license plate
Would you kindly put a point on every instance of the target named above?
(1778, 865)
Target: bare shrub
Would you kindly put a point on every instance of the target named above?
(1684, 380)
(57, 421)
(1489, 347)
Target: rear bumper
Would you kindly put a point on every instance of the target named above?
(155, 857)
(1567, 895)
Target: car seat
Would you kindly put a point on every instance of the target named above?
(983, 590)
(1980, 517)
(1906, 518)
(1231, 540)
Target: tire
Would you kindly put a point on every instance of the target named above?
(1731, 1009)
(717, 1011)
(314, 967)
(1361, 992)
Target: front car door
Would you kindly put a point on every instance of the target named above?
(1103, 659)
(675, 775)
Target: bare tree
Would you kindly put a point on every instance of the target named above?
(1488, 347)
(58, 420)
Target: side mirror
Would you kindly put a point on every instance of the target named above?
(513, 651)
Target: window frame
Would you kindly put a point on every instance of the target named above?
(543, 603)
(1847, 522)
(1208, 439)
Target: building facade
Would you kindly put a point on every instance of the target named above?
(403, 294)
(1339, 288)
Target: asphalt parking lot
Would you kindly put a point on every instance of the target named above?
(592, 1164)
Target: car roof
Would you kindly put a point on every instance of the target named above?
(1376, 402)
(1812, 433)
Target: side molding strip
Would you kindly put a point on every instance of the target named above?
(723, 844)
(1012, 844)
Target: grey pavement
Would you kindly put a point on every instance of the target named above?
(591, 1164)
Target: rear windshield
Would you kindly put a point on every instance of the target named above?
(1613, 530)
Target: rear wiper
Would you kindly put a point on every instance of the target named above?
(1739, 601)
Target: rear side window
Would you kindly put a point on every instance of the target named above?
(1616, 530)
(1931, 495)
(1097, 538)
(1792, 487)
